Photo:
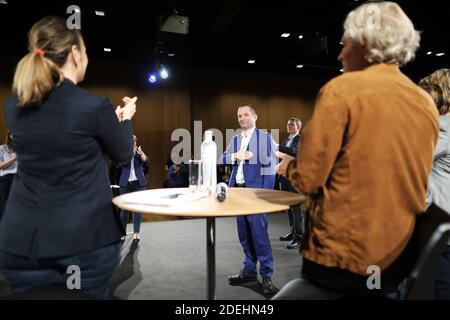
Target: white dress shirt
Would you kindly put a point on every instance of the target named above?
(244, 144)
(132, 172)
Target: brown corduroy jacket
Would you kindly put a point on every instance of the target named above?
(365, 159)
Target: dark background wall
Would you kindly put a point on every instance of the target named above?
(211, 96)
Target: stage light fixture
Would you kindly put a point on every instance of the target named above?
(152, 78)
(163, 73)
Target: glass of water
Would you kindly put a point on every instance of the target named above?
(195, 175)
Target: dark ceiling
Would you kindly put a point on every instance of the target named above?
(224, 33)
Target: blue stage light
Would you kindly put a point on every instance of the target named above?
(152, 78)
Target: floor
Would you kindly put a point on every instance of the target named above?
(169, 263)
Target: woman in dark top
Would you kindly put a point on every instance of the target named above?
(133, 179)
(59, 212)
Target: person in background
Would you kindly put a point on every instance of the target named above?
(437, 85)
(295, 214)
(59, 212)
(178, 176)
(223, 173)
(169, 163)
(133, 179)
(8, 168)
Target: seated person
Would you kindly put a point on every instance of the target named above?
(437, 85)
(366, 157)
(178, 176)
(223, 173)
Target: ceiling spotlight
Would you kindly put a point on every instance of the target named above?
(171, 54)
(251, 61)
(285, 35)
(300, 36)
(299, 66)
(99, 13)
(440, 54)
(107, 49)
(429, 53)
(163, 73)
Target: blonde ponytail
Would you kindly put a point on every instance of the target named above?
(50, 43)
(34, 78)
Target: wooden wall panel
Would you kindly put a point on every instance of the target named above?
(211, 96)
(218, 93)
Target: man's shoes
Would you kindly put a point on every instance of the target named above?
(287, 237)
(267, 286)
(295, 243)
(242, 277)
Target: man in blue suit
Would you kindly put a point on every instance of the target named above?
(252, 156)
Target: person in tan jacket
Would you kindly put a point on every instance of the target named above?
(366, 156)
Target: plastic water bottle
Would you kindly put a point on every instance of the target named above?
(209, 161)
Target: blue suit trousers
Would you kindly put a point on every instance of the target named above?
(255, 242)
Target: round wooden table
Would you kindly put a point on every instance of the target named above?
(239, 201)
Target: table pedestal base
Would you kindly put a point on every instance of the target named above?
(211, 257)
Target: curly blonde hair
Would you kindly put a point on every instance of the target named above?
(385, 30)
(437, 85)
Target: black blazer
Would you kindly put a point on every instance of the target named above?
(285, 185)
(60, 201)
(293, 149)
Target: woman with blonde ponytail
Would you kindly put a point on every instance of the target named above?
(59, 211)
(39, 70)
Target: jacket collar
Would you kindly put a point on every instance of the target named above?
(69, 82)
(384, 67)
(251, 132)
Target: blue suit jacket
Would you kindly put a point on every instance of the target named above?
(259, 172)
(138, 169)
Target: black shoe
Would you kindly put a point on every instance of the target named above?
(295, 243)
(242, 277)
(287, 237)
(267, 286)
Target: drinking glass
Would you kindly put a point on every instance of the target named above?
(195, 175)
